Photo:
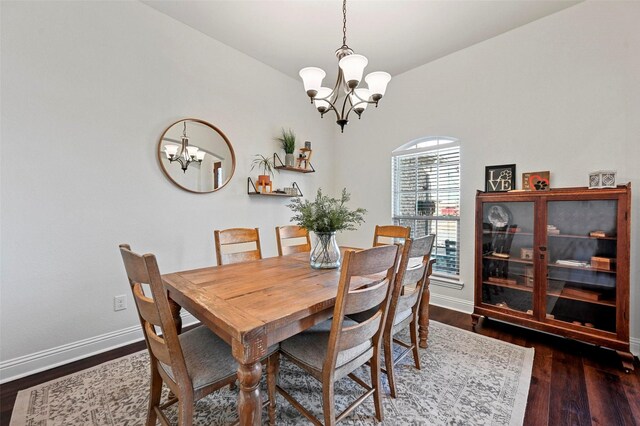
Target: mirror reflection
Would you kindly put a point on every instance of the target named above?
(196, 156)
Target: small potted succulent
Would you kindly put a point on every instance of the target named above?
(288, 143)
(264, 164)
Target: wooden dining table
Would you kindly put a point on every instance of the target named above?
(257, 304)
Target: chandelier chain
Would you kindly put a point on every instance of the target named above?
(344, 22)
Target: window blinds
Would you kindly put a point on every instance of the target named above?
(426, 197)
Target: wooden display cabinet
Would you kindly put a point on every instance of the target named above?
(557, 261)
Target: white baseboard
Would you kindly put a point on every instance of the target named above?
(635, 346)
(26, 365)
(454, 303)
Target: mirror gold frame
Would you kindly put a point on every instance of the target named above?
(161, 155)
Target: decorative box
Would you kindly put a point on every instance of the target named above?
(602, 179)
(602, 263)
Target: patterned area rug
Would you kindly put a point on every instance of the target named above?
(466, 379)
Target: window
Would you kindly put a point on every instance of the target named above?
(426, 196)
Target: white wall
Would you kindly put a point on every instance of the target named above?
(87, 90)
(560, 94)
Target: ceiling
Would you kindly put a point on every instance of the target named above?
(395, 35)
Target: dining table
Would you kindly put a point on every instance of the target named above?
(256, 304)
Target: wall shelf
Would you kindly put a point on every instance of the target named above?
(280, 166)
(253, 190)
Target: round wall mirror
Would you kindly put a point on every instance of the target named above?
(196, 156)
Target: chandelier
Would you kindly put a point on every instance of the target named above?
(350, 69)
(187, 154)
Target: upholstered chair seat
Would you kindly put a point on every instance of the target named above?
(310, 349)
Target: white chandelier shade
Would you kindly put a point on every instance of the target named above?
(352, 67)
(360, 99)
(377, 82)
(323, 93)
(312, 79)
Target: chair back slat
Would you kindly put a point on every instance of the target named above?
(422, 247)
(136, 270)
(391, 232)
(284, 233)
(407, 301)
(157, 345)
(155, 312)
(353, 336)
(363, 299)
(364, 263)
(413, 275)
(147, 308)
(227, 241)
(377, 260)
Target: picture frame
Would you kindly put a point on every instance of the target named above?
(500, 178)
(536, 181)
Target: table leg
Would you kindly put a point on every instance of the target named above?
(175, 313)
(249, 401)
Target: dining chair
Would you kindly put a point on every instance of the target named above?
(333, 349)
(292, 232)
(192, 364)
(231, 239)
(391, 232)
(412, 281)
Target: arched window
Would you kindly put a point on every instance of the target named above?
(426, 196)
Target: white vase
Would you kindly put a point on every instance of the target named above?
(289, 160)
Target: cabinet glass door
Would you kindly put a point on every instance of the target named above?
(507, 255)
(581, 269)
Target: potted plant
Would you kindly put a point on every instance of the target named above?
(325, 216)
(265, 164)
(288, 143)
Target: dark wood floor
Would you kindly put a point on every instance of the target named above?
(572, 383)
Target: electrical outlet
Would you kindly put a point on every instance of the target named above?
(119, 303)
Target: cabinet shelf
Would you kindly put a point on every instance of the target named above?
(580, 299)
(586, 237)
(509, 259)
(522, 287)
(581, 268)
(525, 234)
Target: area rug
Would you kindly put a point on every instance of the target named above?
(466, 379)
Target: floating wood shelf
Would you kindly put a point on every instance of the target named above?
(252, 190)
(280, 165)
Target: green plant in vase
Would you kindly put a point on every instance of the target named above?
(325, 216)
(266, 165)
(288, 142)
